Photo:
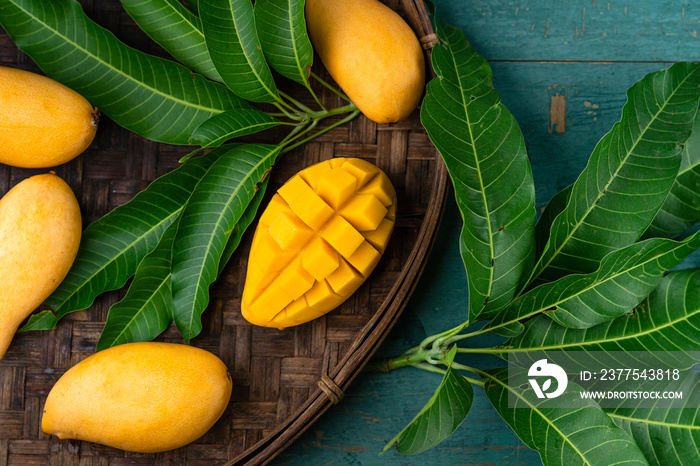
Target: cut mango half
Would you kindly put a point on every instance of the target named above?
(317, 241)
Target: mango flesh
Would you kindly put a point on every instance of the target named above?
(371, 53)
(40, 229)
(143, 397)
(42, 122)
(319, 238)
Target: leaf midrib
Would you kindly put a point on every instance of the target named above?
(594, 342)
(228, 135)
(487, 210)
(576, 226)
(179, 10)
(689, 168)
(247, 56)
(117, 70)
(202, 267)
(669, 425)
(534, 408)
(141, 310)
(297, 60)
(114, 259)
(592, 286)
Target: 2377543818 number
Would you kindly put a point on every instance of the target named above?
(638, 374)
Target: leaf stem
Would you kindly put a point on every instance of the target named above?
(334, 90)
(324, 130)
(444, 338)
(481, 331)
(301, 106)
(492, 350)
(430, 368)
(333, 111)
(299, 131)
(292, 116)
(299, 127)
(462, 367)
(313, 94)
(413, 357)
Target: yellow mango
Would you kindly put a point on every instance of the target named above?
(42, 122)
(142, 397)
(317, 241)
(371, 53)
(40, 229)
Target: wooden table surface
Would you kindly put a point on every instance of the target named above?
(562, 67)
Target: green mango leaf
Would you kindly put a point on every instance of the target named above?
(242, 225)
(682, 207)
(155, 98)
(42, 320)
(146, 310)
(623, 280)
(175, 28)
(232, 124)
(581, 434)
(628, 176)
(112, 247)
(234, 47)
(282, 31)
(193, 5)
(208, 218)
(668, 435)
(666, 323)
(484, 151)
(440, 417)
(554, 207)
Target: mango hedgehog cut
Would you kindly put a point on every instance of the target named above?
(317, 241)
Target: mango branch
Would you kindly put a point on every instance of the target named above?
(427, 360)
(410, 358)
(349, 117)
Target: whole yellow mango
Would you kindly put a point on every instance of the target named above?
(372, 54)
(142, 397)
(40, 229)
(317, 241)
(42, 122)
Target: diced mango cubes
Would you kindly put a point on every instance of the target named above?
(289, 231)
(336, 187)
(342, 236)
(344, 279)
(319, 259)
(364, 212)
(319, 238)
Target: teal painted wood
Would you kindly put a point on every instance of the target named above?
(581, 30)
(543, 53)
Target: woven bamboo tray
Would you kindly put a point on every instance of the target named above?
(282, 380)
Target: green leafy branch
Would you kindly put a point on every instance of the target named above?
(594, 274)
(175, 236)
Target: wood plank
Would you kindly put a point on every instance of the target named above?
(582, 30)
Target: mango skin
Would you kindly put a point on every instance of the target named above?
(144, 397)
(42, 122)
(371, 53)
(40, 229)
